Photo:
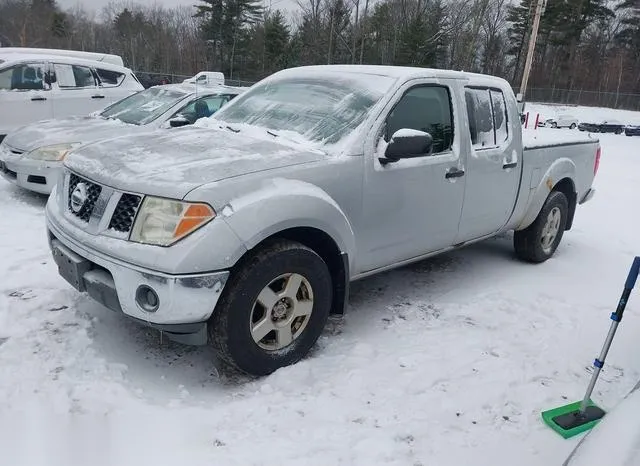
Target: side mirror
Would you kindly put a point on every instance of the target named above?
(178, 121)
(406, 144)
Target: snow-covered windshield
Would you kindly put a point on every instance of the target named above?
(145, 106)
(322, 109)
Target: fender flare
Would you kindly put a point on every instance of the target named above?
(281, 204)
(560, 169)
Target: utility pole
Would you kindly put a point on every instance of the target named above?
(540, 7)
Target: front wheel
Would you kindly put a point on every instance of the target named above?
(273, 309)
(619, 131)
(573, 126)
(539, 241)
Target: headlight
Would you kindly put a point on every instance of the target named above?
(52, 153)
(164, 221)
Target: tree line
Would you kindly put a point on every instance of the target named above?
(583, 45)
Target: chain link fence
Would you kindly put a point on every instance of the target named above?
(617, 100)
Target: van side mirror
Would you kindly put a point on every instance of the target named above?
(406, 144)
(178, 121)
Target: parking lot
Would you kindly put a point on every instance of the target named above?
(448, 361)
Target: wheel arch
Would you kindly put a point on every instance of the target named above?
(559, 177)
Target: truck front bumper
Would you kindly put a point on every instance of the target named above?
(177, 305)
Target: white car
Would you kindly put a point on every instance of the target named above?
(31, 157)
(36, 87)
(562, 121)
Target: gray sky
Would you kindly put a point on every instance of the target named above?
(97, 5)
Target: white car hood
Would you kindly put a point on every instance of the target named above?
(75, 129)
(170, 163)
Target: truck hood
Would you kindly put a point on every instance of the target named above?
(170, 163)
(75, 129)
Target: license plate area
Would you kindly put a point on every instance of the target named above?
(71, 266)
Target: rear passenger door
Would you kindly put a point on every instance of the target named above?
(76, 91)
(493, 167)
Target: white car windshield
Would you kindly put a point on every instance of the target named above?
(143, 107)
(320, 109)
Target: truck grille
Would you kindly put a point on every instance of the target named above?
(125, 213)
(92, 194)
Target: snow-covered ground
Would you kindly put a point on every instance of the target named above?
(583, 114)
(447, 362)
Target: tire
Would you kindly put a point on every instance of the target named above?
(573, 126)
(528, 243)
(554, 125)
(271, 267)
(619, 131)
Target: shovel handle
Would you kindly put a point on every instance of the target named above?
(633, 274)
(628, 286)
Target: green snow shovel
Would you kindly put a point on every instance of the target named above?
(578, 417)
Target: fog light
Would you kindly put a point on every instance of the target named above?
(147, 299)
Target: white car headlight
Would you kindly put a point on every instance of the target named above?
(54, 153)
(165, 221)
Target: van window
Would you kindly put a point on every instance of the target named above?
(74, 76)
(29, 76)
(110, 78)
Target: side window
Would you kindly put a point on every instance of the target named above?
(75, 76)
(110, 78)
(203, 107)
(480, 118)
(424, 108)
(29, 76)
(500, 116)
(488, 121)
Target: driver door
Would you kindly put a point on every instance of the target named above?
(412, 207)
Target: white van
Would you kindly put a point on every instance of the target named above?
(36, 87)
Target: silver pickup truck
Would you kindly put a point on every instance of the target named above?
(245, 230)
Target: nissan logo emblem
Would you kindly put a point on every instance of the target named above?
(78, 197)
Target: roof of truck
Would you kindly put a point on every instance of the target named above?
(392, 71)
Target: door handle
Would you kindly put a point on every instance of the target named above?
(38, 98)
(97, 97)
(510, 165)
(454, 173)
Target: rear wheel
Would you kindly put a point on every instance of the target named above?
(273, 309)
(539, 241)
(573, 126)
(619, 130)
(554, 125)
